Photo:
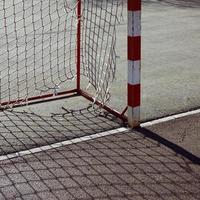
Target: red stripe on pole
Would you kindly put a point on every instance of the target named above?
(78, 64)
(134, 5)
(133, 95)
(134, 48)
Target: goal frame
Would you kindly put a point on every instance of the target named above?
(134, 71)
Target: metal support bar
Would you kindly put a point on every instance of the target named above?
(40, 98)
(107, 108)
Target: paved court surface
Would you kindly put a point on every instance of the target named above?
(170, 68)
(170, 58)
(157, 162)
(147, 163)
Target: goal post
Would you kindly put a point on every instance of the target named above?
(134, 62)
(47, 44)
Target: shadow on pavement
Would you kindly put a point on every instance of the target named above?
(177, 149)
(123, 166)
(25, 130)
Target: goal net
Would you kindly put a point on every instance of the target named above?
(41, 43)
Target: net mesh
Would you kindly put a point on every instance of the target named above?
(38, 51)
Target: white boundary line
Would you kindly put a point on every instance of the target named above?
(169, 118)
(61, 144)
(94, 136)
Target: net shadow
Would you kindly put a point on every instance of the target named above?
(22, 130)
(126, 165)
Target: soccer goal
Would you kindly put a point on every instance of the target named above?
(46, 44)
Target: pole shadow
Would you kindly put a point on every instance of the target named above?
(177, 149)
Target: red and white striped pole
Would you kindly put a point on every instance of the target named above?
(134, 61)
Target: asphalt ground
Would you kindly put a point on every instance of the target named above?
(39, 125)
(157, 162)
(146, 163)
(170, 70)
(170, 58)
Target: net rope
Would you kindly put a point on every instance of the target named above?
(38, 51)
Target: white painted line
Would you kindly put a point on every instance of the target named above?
(67, 142)
(26, 152)
(56, 145)
(61, 144)
(3, 158)
(45, 148)
(170, 118)
(94, 136)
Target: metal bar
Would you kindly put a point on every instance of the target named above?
(134, 62)
(124, 111)
(41, 98)
(107, 108)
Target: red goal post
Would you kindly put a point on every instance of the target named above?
(134, 64)
(41, 51)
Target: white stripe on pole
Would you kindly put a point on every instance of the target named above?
(134, 19)
(134, 72)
